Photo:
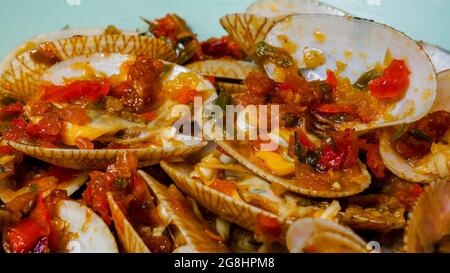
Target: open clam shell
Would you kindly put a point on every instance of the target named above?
(322, 236)
(226, 207)
(21, 76)
(192, 232)
(55, 36)
(247, 30)
(437, 161)
(71, 186)
(274, 8)
(440, 57)
(373, 219)
(86, 231)
(106, 124)
(359, 183)
(128, 236)
(99, 159)
(360, 44)
(192, 229)
(229, 74)
(429, 221)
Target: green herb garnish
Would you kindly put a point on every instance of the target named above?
(366, 78)
(121, 183)
(8, 100)
(33, 188)
(273, 54)
(223, 99)
(420, 134)
(401, 130)
(312, 158)
(290, 120)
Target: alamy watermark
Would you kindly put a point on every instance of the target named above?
(237, 122)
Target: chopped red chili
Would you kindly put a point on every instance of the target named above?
(393, 83)
(83, 89)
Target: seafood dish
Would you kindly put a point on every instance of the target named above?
(302, 130)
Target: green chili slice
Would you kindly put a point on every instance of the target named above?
(276, 55)
(366, 78)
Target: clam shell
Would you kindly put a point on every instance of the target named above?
(86, 230)
(290, 184)
(397, 164)
(20, 77)
(7, 195)
(193, 230)
(274, 8)
(368, 41)
(130, 239)
(440, 57)
(442, 101)
(322, 236)
(230, 69)
(373, 219)
(226, 207)
(54, 36)
(100, 159)
(429, 221)
(247, 30)
(226, 69)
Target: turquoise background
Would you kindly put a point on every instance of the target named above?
(428, 20)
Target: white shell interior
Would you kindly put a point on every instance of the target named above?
(90, 234)
(102, 64)
(361, 44)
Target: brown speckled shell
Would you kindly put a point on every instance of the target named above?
(130, 239)
(247, 30)
(100, 159)
(429, 221)
(230, 69)
(228, 208)
(20, 78)
(193, 232)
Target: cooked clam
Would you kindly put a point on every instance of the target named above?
(440, 57)
(86, 230)
(33, 44)
(189, 233)
(247, 30)
(429, 222)
(8, 192)
(74, 228)
(322, 236)
(234, 193)
(20, 78)
(85, 70)
(349, 183)
(359, 44)
(229, 208)
(429, 158)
